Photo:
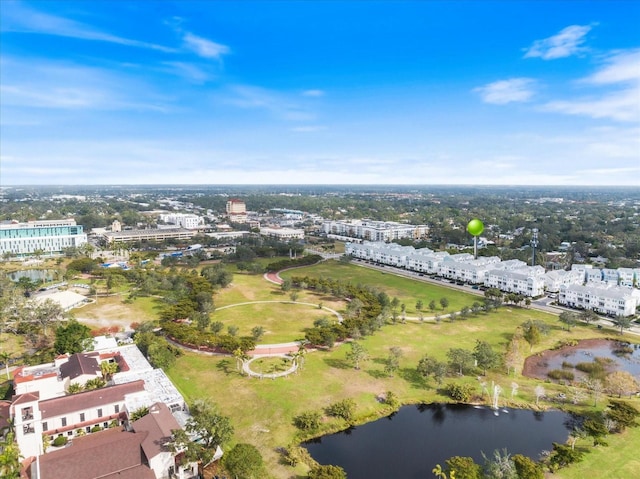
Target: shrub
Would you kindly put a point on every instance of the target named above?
(327, 472)
(344, 409)
(307, 420)
(96, 428)
(60, 441)
(460, 392)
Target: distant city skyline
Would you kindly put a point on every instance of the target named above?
(194, 92)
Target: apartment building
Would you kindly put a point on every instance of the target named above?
(236, 211)
(371, 230)
(609, 300)
(50, 236)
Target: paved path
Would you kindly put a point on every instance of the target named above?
(246, 368)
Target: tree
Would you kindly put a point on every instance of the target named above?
(623, 414)
(393, 360)
(244, 462)
(10, 457)
(428, 366)
(257, 332)
(444, 302)
(460, 359)
(432, 305)
(74, 388)
(621, 382)
(463, 468)
(357, 354)
(527, 468)
(307, 421)
(501, 466)
(532, 336)
(563, 455)
(623, 323)
(293, 296)
(72, 337)
(216, 327)
(46, 312)
(233, 330)
(419, 305)
(513, 357)
(4, 357)
(588, 315)
(595, 386)
(210, 428)
(485, 356)
(108, 369)
(327, 472)
(344, 409)
(569, 319)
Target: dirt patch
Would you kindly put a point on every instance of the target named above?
(536, 366)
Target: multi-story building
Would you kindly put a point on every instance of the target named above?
(554, 279)
(152, 234)
(374, 230)
(50, 236)
(612, 300)
(183, 220)
(236, 211)
(528, 281)
(282, 233)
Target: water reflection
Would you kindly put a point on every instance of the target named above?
(411, 442)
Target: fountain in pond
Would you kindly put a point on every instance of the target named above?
(496, 395)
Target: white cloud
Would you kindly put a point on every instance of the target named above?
(190, 72)
(313, 93)
(507, 91)
(620, 67)
(620, 102)
(566, 43)
(205, 48)
(17, 17)
(279, 105)
(43, 84)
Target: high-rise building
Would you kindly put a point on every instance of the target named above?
(237, 211)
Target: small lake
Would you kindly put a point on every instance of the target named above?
(34, 274)
(618, 355)
(409, 443)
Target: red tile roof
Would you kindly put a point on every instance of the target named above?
(113, 453)
(159, 423)
(89, 399)
(81, 364)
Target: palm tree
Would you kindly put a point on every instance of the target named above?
(5, 356)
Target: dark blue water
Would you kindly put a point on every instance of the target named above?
(410, 443)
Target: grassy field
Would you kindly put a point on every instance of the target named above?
(262, 410)
(408, 291)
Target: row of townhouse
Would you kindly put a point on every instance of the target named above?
(587, 274)
(42, 410)
(610, 300)
(512, 276)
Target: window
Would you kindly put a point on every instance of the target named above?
(81, 417)
(116, 408)
(100, 412)
(64, 421)
(44, 426)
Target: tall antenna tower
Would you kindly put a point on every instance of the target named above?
(534, 245)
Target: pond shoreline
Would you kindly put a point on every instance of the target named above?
(536, 366)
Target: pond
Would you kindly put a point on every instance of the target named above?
(409, 443)
(580, 359)
(36, 275)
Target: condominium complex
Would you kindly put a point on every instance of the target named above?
(283, 233)
(49, 236)
(374, 230)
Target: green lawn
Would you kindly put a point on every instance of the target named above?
(407, 290)
(283, 321)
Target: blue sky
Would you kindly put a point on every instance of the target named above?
(203, 92)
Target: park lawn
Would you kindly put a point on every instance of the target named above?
(262, 410)
(407, 290)
(283, 321)
(620, 459)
